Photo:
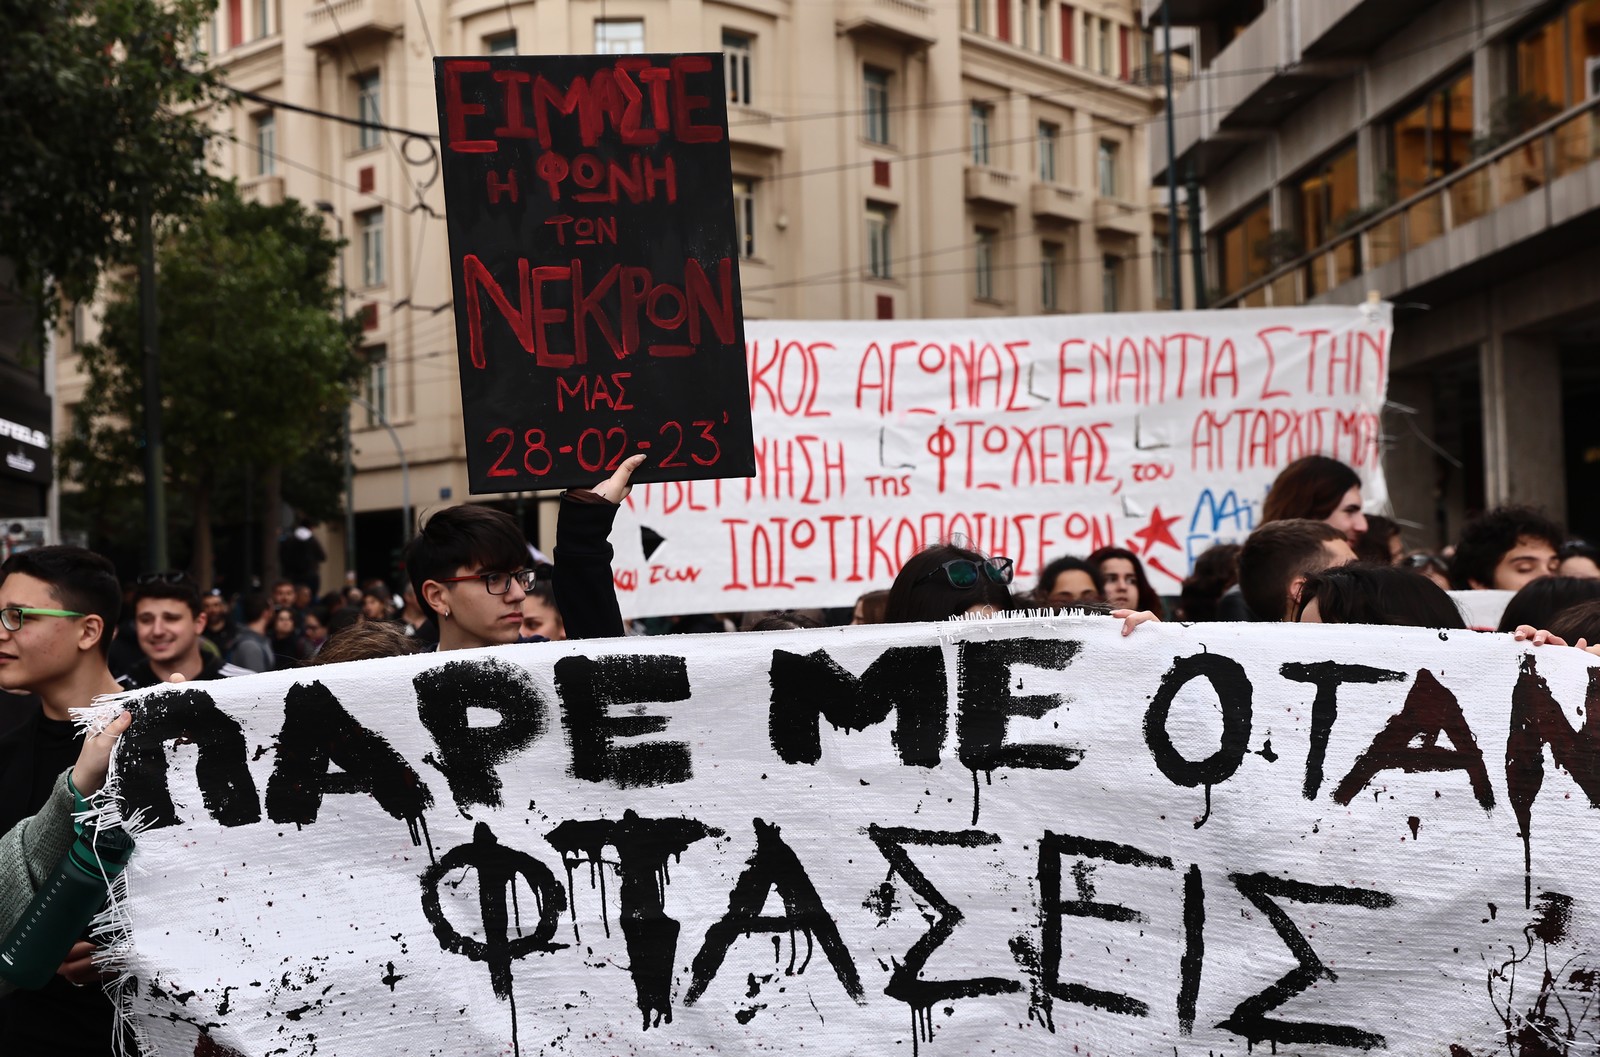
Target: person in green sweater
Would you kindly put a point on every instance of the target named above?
(58, 609)
(33, 847)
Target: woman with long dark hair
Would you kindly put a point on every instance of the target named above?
(1125, 584)
(1321, 489)
(944, 581)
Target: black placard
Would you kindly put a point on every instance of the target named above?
(589, 200)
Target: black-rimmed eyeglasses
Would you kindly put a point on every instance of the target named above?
(498, 583)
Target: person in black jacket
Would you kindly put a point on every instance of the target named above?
(57, 608)
(469, 568)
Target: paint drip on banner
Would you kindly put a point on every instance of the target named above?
(967, 838)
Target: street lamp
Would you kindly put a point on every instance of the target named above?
(349, 458)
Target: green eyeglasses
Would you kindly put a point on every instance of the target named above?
(11, 617)
(963, 573)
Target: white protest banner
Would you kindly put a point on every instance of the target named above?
(1034, 437)
(974, 838)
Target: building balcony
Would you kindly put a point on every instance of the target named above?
(905, 22)
(1054, 202)
(264, 190)
(352, 20)
(994, 187)
(756, 129)
(1490, 217)
(1264, 74)
(1118, 217)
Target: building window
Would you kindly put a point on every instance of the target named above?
(983, 264)
(1107, 169)
(978, 9)
(369, 226)
(501, 43)
(1025, 23)
(981, 114)
(1050, 276)
(1557, 66)
(1326, 197)
(619, 36)
(266, 137)
(1161, 261)
(1433, 138)
(1246, 246)
(875, 103)
(263, 18)
(1110, 283)
(744, 215)
(1044, 27)
(1049, 139)
(880, 236)
(736, 49)
(368, 88)
(375, 387)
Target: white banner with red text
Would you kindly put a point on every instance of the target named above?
(982, 837)
(1032, 437)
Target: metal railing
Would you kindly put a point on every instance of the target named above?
(1518, 168)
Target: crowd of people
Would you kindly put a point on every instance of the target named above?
(70, 632)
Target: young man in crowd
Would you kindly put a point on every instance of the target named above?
(252, 650)
(1279, 556)
(168, 620)
(1505, 549)
(283, 594)
(58, 606)
(470, 568)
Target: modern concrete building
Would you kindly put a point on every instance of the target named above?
(1443, 153)
(892, 158)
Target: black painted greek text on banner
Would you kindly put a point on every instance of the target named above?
(1004, 837)
(589, 200)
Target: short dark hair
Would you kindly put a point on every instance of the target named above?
(80, 579)
(252, 605)
(1308, 488)
(1486, 539)
(181, 589)
(1581, 621)
(1379, 594)
(462, 537)
(916, 595)
(1067, 563)
(1374, 544)
(1273, 555)
(1213, 572)
(283, 581)
(1540, 601)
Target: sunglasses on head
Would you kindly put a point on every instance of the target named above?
(965, 572)
(170, 576)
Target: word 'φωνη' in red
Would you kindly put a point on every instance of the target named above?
(618, 100)
(638, 295)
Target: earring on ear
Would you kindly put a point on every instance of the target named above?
(447, 614)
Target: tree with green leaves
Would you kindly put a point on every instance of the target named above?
(255, 366)
(101, 120)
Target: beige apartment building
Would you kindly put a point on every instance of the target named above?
(891, 158)
(1445, 153)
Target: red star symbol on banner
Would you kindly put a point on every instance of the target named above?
(1158, 531)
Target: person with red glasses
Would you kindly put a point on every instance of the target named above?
(469, 566)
